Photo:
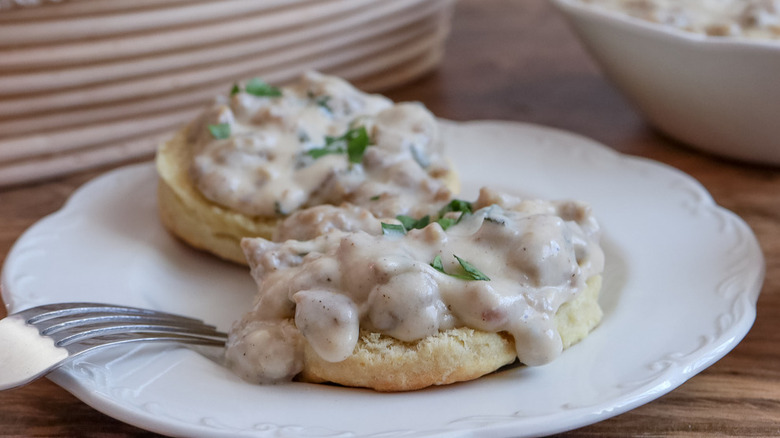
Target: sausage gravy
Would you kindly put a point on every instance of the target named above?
(267, 151)
(740, 18)
(501, 264)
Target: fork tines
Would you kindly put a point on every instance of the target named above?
(82, 326)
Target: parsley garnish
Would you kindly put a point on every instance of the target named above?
(456, 205)
(407, 223)
(437, 265)
(235, 90)
(260, 88)
(411, 223)
(220, 131)
(321, 152)
(471, 272)
(446, 222)
(322, 102)
(354, 143)
(393, 229)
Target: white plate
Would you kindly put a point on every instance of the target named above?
(682, 279)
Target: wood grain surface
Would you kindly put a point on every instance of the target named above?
(517, 60)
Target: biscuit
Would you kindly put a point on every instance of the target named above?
(197, 221)
(263, 130)
(386, 364)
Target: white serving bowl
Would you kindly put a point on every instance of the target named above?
(720, 95)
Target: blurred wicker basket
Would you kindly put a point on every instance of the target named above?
(90, 83)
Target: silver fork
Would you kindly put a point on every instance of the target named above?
(35, 341)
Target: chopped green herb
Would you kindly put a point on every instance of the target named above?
(446, 222)
(375, 198)
(393, 229)
(354, 143)
(322, 102)
(260, 88)
(235, 90)
(357, 142)
(407, 221)
(437, 265)
(456, 205)
(321, 152)
(411, 223)
(220, 131)
(471, 272)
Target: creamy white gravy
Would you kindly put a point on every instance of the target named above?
(747, 18)
(265, 166)
(322, 289)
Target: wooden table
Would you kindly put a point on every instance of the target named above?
(517, 60)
